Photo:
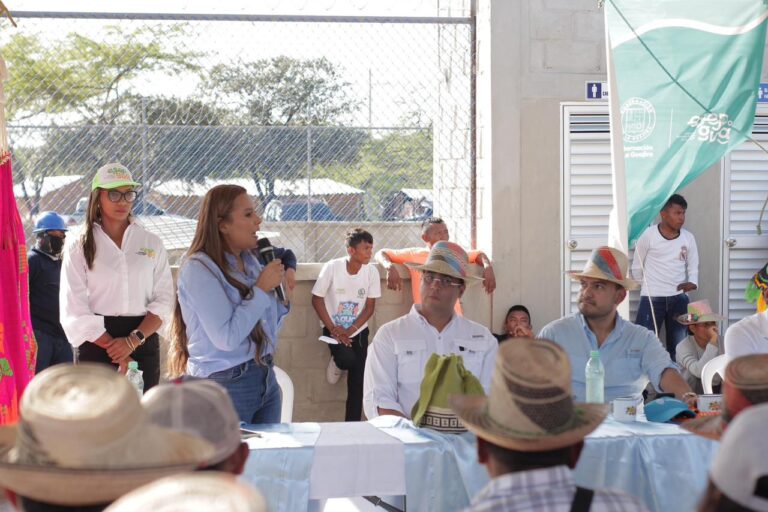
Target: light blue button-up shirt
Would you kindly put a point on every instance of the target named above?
(218, 321)
(631, 354)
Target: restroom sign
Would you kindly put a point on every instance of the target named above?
(596, 90)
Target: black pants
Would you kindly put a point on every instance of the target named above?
(51, 349)
(352, 359)
(147, 355)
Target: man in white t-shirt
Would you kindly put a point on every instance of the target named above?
(402, 347)
(344, 297)
(749, 335)
(666, 262)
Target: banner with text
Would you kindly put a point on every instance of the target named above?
(685, 75)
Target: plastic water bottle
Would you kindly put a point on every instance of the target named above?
(135, 377)
(595, 374)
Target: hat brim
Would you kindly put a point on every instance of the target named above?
(439, 267)
(117, 184)
(93, 486)
(629, 284)
(711, 427)
(473, 412)
(702, 319)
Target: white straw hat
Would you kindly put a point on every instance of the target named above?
(206, 491)
(83, 438)
(199, 407)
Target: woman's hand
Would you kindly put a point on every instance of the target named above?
(119, 350)
(123, 366)
(271, 276)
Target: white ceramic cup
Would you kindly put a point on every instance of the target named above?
(625, 408)
(710, 403)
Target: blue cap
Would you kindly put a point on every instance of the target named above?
(662, 410)
(48, 221)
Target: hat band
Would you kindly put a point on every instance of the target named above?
(575, 421)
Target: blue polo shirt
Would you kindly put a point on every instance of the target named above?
(631, 354)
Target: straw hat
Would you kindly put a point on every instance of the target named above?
(204, 491)
(699, 312)
(530, 406)
(608, 264)
(202, 408)
(449, 259)
(745, 384)
(84, 439)
(192, 492)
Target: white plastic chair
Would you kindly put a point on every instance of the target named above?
(715, 366)
(286, 388)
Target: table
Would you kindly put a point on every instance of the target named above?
(661, 464)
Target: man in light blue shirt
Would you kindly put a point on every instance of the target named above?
(632, 355)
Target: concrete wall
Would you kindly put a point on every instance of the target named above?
(533, 55)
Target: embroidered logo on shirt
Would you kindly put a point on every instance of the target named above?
(361, 293)
(146, 251)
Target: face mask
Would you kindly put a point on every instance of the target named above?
(53, 245)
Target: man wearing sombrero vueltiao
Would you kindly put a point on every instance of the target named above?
(401, 348)
(632, 355)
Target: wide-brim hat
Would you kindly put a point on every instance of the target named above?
(745, 384)
(449, 259)
(530, 406)
(699, 312)
(209, 491)
(608, 264)
(113, 175)
(84, 439)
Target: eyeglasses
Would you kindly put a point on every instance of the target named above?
(116, 196)
(441, 282)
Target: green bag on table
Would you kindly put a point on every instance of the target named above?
(443, 376)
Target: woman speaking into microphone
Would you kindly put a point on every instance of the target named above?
(227, 315)
(116, 285)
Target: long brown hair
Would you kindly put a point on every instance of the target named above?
(92, 214)
(217, 207)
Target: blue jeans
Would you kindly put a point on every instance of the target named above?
(253, 389)
(666, 309)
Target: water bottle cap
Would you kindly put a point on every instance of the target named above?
(594, 353)
(133, 365)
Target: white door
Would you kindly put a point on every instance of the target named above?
(745, 188)
(586, 191)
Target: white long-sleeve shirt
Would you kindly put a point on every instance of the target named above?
(124, 281)
(667, 263)
(401, 348)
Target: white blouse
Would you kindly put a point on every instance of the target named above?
(124, 281)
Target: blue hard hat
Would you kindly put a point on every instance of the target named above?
(48, 221)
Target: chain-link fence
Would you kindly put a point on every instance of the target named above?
(330, 123)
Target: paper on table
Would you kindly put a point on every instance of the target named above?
(374, 464)
(328, 340)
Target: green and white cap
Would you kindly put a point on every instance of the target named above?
(112, 176)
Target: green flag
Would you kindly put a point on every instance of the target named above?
(684, 80)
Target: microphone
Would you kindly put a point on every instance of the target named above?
(268, 253)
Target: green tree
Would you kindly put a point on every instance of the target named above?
(300, 105)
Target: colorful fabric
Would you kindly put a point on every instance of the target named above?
(684, 77)
(18, 349)
(754, 291)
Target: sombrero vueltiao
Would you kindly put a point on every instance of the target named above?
(530, 406)
(83, 438)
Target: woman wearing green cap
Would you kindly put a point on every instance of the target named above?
(116, 285)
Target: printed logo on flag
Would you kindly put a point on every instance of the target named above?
(638, 119)
(711, 128)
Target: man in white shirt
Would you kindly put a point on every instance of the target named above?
(749, 335)
(395, 368)
(666, 262)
